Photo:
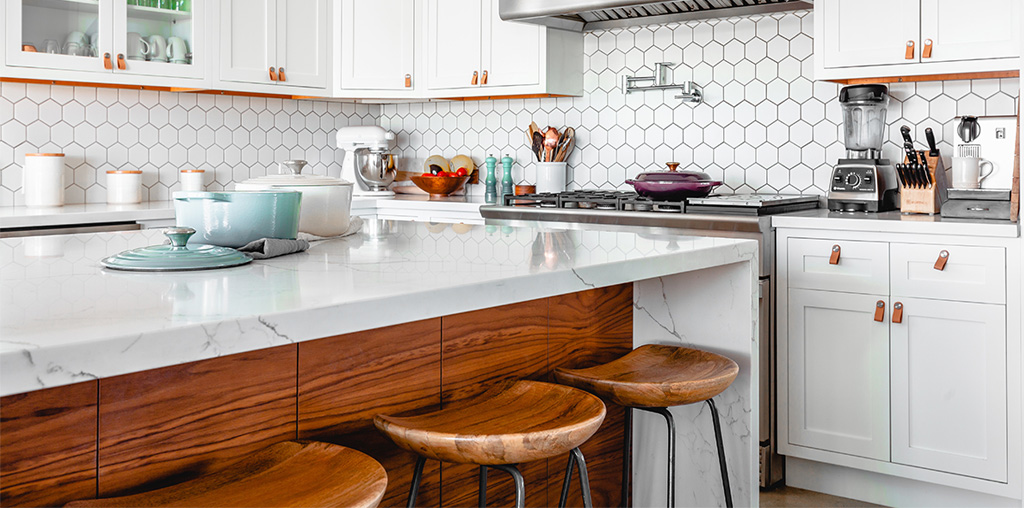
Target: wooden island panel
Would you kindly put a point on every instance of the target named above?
(167, 425)
(48, 443)
(345, 381)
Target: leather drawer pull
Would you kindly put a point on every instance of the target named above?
(880, 311)
(108, 64)
(926, 51)
(273, 74)
(121, 65)
(408, 80)
(834, 258)
(897, 312)
(910, 50)
(476, 75)
(484, 80)
(940, 263)
(280, 74)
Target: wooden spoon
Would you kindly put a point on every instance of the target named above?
(550, 143)
(567, 146)
(538, 144)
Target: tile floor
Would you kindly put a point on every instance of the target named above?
(793, 497)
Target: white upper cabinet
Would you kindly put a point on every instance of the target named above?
(377, 45)
(891, 38)
(107, 41)
(274, 44)
(454, 43)
(508, 51)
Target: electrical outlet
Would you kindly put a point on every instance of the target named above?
(1000, 133)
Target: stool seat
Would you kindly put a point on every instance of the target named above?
(656, 376)
(517, 422)
(291, 473)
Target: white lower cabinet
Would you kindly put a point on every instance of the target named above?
(949, 387)
(839, 392)
(911, 371)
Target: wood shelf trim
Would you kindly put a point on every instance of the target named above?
(928, 77)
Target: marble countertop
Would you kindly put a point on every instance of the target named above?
(64, 319)
(894, 222)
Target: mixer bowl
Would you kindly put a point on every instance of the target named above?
(379, 170)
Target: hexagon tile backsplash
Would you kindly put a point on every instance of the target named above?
(765, 125)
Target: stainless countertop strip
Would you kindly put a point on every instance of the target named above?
(734, 223)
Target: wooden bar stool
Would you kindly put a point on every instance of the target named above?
(291, 473)
(516, 422)
(653, 378)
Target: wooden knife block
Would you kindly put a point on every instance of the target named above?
(929, 199)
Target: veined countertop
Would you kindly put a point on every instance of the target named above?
(63, 318)
(894, 222)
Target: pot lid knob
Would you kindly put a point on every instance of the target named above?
(672, 166)
(295, 166)
(179, 236)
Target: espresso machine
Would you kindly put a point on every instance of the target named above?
(367, 161)
(863, 181)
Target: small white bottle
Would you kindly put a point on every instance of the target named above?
(191, 179)
(43, 179)
(124, 186)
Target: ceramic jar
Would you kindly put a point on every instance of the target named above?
(124, 187)
(191, 180)
(43, 179)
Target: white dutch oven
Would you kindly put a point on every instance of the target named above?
(326, 201)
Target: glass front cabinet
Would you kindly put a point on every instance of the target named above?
(140, 42)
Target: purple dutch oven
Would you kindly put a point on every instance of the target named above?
(673, 185)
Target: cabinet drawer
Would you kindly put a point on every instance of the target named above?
(970, 274)
(862, 267)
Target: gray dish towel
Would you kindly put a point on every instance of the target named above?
(265, 248)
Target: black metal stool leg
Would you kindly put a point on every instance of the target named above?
(417, 473)
(721, 453)
(627, 456)
(566, 482)
(671, 497)
(517, 477)
(581, 464)
(482, 492)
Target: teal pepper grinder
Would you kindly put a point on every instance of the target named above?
(490, 184)
(506, 176)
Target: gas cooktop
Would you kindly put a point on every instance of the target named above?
(625, 201)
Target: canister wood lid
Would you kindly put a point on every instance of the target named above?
(44, 155)
(124, 172)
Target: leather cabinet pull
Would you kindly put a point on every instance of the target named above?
(121, 65)
(484, 80)
(940, 262)
(834, 258)
(897, 312)
(273, 74)
(475, 76)
(280, 74)
(910, 50)
(880, 311)
(108, 64)
(926, 51)
(408, 80)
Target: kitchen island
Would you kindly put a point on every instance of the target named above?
(115, 382)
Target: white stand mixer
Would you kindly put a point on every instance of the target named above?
(367, 161)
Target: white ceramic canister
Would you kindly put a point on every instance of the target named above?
(124, 186)
(191, 179)
(551, 176)
(43, 179)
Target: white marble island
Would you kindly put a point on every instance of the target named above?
(64, 319)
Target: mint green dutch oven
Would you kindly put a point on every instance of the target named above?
(235, 218)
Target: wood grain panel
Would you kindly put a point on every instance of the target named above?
(345, 381)
(479, 349)
(48, 443)
(167, 425)
(586, 329)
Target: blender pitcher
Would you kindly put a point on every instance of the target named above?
(864, 109)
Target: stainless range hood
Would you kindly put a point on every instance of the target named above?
(587, 15)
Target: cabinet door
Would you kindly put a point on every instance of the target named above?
(838, 373)
(247, 40)
(868, 32)
(377, 44)
(302, 42)
(970, 30)
(453, 43)
(171, 36)
(511, 51)
(48, 26)
(949, 387)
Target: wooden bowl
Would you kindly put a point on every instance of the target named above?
(439, 186)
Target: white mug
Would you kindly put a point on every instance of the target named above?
(76, 37)
(158, 48)
(75, 49)
(967, 172)
(51, 46)
(138, 48)
(177, 50)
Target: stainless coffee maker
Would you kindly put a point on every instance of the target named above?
(863, 181)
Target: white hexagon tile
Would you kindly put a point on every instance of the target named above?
(765, 126)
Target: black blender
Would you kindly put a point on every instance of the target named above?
(863, 181)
